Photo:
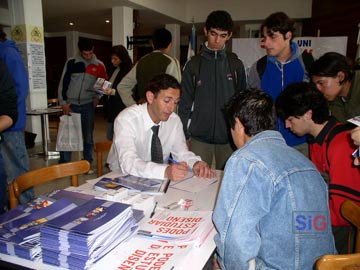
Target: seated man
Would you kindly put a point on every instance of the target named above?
(306, 111)
(133, 135)
(272, 207)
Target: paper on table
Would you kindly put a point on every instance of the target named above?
(193, 184)
(355, 120)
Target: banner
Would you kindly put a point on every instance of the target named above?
(249, 50)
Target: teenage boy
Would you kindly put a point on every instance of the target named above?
(76, 93)
(306, 112)
(209, 80)
(271, 196)
(282, 65)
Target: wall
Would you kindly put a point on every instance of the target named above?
(335, 18)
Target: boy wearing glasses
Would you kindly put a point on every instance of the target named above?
(209, 81)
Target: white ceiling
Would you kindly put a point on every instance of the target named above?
(89, 15)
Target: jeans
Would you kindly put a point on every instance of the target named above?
(3, 187)
(87, 112)
(16, 160)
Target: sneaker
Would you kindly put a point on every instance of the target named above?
(91, 171)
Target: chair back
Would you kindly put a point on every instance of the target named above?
(338, 262)
(351, 211)
(43, 175)
(99, 148)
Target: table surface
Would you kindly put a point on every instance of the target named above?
(50, 110)
(194, 260)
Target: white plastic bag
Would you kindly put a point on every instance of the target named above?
(69, 137)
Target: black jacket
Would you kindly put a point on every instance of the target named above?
(209, 93)
(113, 104)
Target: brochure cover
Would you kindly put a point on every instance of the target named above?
(145, 254)
(141, 184)
(100, 85)
(181, 226)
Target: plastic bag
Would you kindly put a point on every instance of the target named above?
(69, 137)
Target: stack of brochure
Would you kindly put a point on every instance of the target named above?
(84, 235)
(181, 227)
(20, 227)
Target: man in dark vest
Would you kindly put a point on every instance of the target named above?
(155, 63)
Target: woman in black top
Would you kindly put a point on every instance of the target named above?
(112, 102)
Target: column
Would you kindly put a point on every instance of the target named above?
(122, 26)
(175, 32)
(27, 30)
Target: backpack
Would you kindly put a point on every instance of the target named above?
(332, 134)
(234, 64)
(261, 63)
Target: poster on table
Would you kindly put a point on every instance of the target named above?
(250, 50)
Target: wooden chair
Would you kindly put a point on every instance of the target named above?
(338, 262)
(44, 175)
(99, 148)
(351, 211)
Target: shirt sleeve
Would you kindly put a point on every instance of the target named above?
(180, 150)
(241, 204)
(130, 161)
(125, 87)
(174, 70)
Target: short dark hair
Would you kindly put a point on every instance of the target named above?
(2, 35)
(329, 64)
(85, 44)
(161, 38)
(122, 53)
(162, 82)
(298, 98)
(278, 22)
(255, 110)
(219, 19)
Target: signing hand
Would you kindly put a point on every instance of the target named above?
(177, 171)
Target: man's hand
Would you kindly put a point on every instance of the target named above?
(355, 135)
(176, 172)
(66, 109)
(109, 91)
(202, 169)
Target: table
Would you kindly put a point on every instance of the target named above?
(44, 129)
(195, 260)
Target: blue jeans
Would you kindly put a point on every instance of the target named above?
(16, 160)
(3, 187)
(87, 112)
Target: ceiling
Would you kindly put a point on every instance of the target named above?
(89, 17)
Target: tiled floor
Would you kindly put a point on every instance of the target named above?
(39, 162)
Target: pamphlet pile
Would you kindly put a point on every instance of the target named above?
(180, 227)
(84, 235)
(20, 227)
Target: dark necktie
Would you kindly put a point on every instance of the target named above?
(156, 149)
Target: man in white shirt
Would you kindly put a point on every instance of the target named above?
(131, 149)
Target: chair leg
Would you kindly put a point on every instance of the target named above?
(99, 164)
(74, 181)
(13, 201)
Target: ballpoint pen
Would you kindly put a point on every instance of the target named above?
(153, 211)
(177, 162)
